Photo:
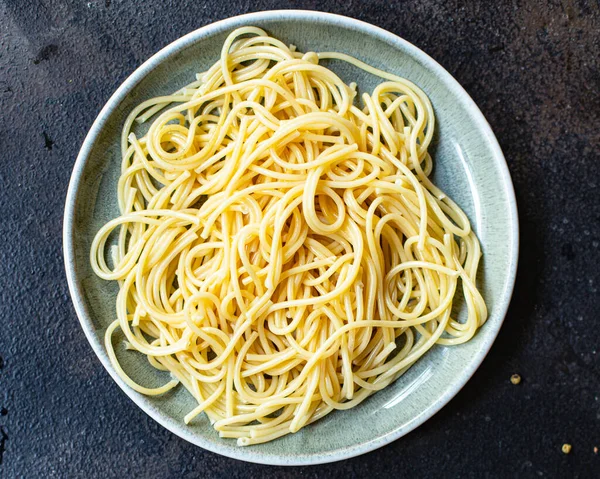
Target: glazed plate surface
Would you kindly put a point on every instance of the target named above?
(468, 165)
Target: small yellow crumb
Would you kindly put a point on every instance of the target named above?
(566, 448)
(595, 450)
(515, 379)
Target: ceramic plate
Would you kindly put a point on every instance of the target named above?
(468, 165)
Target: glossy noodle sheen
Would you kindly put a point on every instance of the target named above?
(281, 251)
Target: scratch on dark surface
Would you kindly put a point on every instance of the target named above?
(45, 53)
(3, 439)
(495, 48)
(48, 142)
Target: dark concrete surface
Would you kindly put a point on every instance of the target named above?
(531, 66)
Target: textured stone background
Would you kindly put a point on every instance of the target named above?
(531, 66)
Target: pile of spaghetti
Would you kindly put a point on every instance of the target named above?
(282, 251)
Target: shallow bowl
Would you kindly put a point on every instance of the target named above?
(469, 166)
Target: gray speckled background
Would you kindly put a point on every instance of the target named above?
(532, 67)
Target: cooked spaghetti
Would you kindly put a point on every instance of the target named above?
(282, 251)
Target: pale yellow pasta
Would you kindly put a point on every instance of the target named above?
(281, 251)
